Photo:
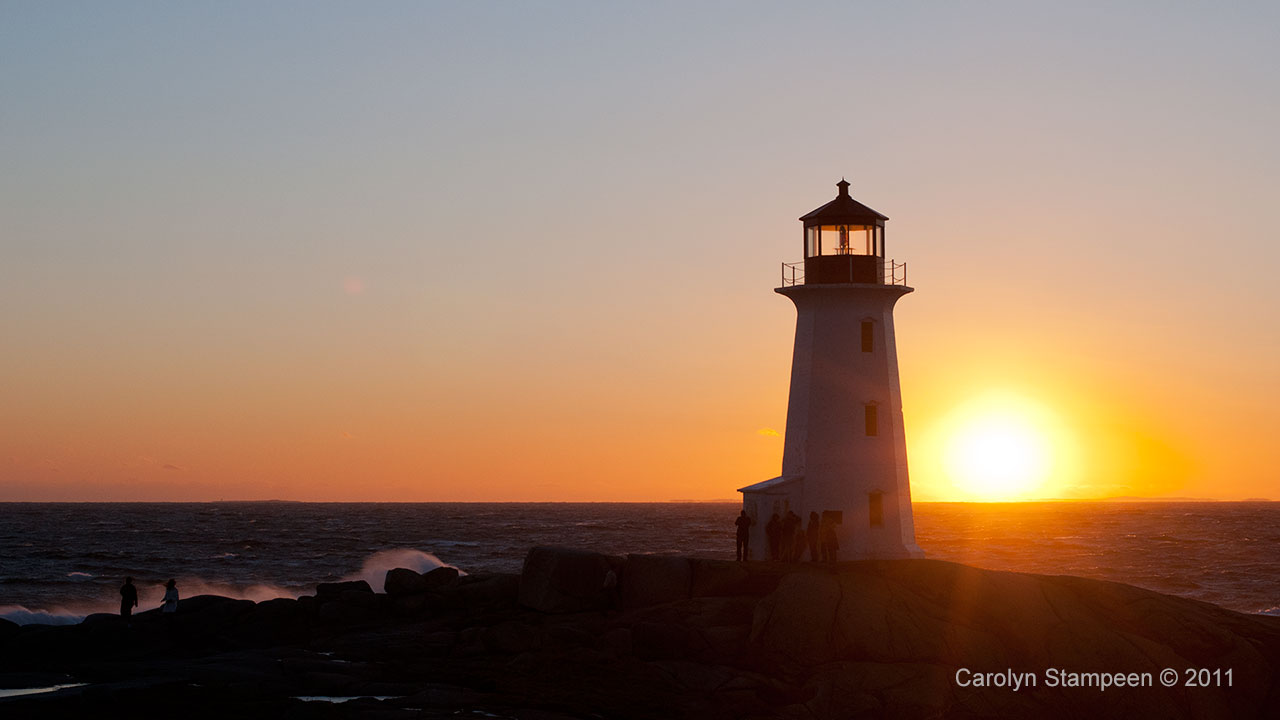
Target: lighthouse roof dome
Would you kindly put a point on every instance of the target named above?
(844, 210)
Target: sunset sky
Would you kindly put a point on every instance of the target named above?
(499, 251)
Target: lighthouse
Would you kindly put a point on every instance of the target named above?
(844, 453)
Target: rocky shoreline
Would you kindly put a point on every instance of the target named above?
(582, 635)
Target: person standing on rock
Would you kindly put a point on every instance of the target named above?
(773, 531)
(170, 597)
(792, 543)
(830, 544)
(611, 598)
(128, 600)
(812, 534)
(788, 535)
(744, 523)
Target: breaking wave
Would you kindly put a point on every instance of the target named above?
(53, 616)
(373, 571)
(375, 567)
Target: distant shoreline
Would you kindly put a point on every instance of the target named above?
(1118, 500)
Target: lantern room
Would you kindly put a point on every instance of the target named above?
(844, 242)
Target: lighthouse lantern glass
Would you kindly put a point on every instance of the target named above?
(844, 240)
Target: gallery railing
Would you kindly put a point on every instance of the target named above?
(895, 273)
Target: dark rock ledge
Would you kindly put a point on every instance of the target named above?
(584, 635)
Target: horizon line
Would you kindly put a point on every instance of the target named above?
(1115, 499)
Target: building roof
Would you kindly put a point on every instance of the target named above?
(844, 210)
(777, 483)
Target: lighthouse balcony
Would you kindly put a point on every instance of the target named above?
(844, 270)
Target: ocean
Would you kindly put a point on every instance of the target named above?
(62, 561)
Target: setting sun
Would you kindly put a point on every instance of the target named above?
(1002, 447)
(998, 457)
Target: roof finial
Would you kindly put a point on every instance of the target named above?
(844, 187)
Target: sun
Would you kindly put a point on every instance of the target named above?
(1000, 449)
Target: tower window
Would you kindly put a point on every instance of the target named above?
(872, 427)
(875, 509)
(868, 335)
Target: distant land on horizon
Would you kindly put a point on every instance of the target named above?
(1117, 499)
(1135, 498)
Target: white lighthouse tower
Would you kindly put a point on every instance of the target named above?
(845, 452)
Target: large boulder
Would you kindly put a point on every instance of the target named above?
(403, 581)
(89, 621)
(353, 607)
(482, 590)
(559, 580)
(441, 577)
(325, 591)
(713, 578)
(859, 626)
(214, 607)
(407, 605)
(798, 619)
(277, 620)
(659, 641)
(655, 579)
(727, 578)
(511, 637)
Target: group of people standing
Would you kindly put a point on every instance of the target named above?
(788, 537)
(129, 598)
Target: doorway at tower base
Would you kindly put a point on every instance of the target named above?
(865, 529)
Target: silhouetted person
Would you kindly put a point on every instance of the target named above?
(744, 523)
(773, 531)
(128, 599)
(611, 598)
(790, 526)
(830, 544)
(170, 597)
(812, 534)
(789, 534)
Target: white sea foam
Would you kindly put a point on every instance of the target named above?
(149, 597)
(373, 570)
(337, 699)
(375, 567)
(53, 616)
(19, 692)
(190, 587)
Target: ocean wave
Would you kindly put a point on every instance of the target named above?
(375, 567)
(20, 692)
(452, 543)
(373, 571)
(25, 616)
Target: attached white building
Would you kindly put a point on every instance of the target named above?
(845, 452)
